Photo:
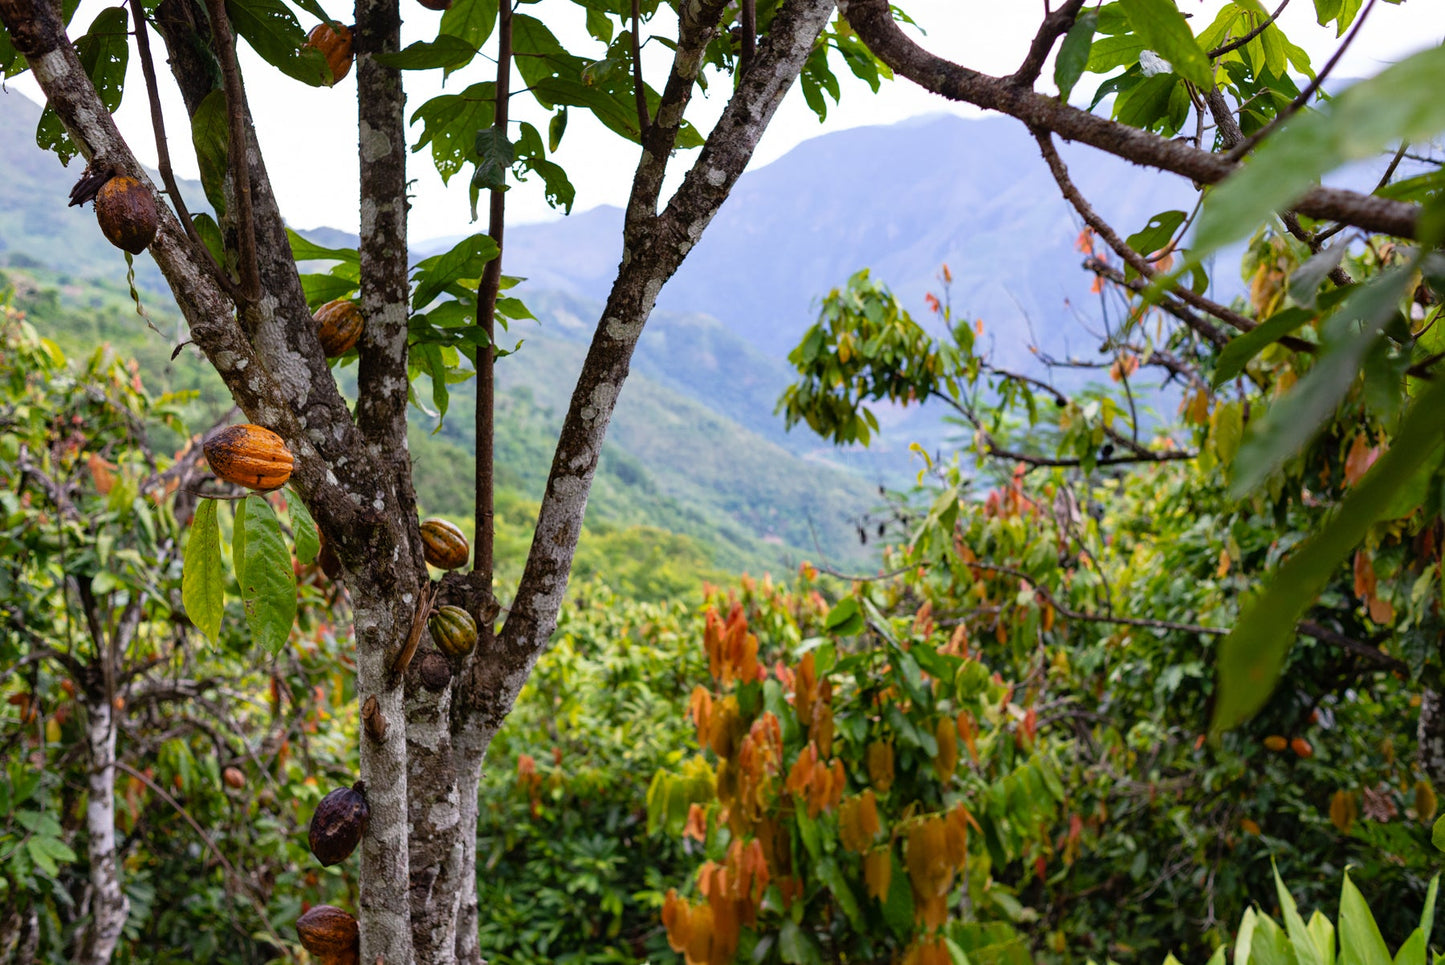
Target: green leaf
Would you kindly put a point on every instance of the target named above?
(50, 135)
(796, 946)
(1294, 420)
(845, 619)
(321, 289)
(1251, 657)
(1074, 53)
(494, 156)
(1237, 354)
(1157, 233)
(210, 233)
(558, 189)
(303, 250)
(202, 581)
(271, 29)
(210, 136)
(303, 530)
(268, 588)
(238, 539)
(1401, 102)
(1305, 282)
(1165, 31)
(42, 859)
(450, 123)
(830, 875)
(446, 51)
(1360, 939)
(470, 21)
(466, 259)
(1305, 950)
(1427, 916)
(898, 904)
(1437, 833)
(104, 52)
(556, 127)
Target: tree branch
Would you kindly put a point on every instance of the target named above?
(873, 20)
(238, 153)
(1055, 25)
(1233, 45)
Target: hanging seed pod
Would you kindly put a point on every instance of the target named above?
(443, 545)
(127, 214)
(330, 934)
(334, 42)
(453, 630)
(338, 326)
(338, 824)
(249, 456)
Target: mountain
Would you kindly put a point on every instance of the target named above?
(902, 200)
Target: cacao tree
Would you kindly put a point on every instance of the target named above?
(250, 311)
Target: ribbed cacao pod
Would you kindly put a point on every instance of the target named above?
(126, 210)
(234, 777)
(453, 629)
(443, 545)
(338, 824)
(334, 42)
(249, 456)
(338, 326)
(330, 934)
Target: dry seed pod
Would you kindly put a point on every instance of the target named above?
(453, 630)
(443, 545)
(330, 934)
(249, 456)
(334, 42)
(435, 671)
(338, 824)
(127, 213)
(338, 326)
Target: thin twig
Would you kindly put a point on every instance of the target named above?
(206, 840)
(163, 154)
(1294, 106)
(239, 150)
(749, 27)
(1055, 25)
(644, 120)
(1236, 44)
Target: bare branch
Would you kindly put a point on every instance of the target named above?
(1055, 25)
(238, 153)
(1236, 44)
(873, 20)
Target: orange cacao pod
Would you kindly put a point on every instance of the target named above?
(127, 213)
(338, 326)
(1302, 747)
(453, 630)
(249, 456)
(1275, 742)
(330, 934)
(443, 545)
(334, 42)
(234, 777)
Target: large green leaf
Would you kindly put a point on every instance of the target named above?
(238, 539)
(104, 52)
(1165, 31)
(1360, 940)
(1251, 657)
(470, 21)
(1400, 103)
(203, 583)
(268, 586)
(1294, 420)
(446, 51)
(1236, 355)
(1306, 952)
(450, 123)
(464, 261)
(271, 29)
(210, 135)
(303, 250)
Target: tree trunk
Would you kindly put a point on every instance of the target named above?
(108, 903)
(1430, 735)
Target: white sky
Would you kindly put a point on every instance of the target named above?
(308, 135)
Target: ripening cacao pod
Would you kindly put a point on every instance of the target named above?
(234, 777)
(453, 629)
(338, 326)
(330, 934)
(249, 456)
(1275, 742)
(334, 42)
(1302, 748)
(443, 545)
(338, 824)
(126, 210)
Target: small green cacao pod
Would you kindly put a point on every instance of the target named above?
(443, 545)
(453, 629)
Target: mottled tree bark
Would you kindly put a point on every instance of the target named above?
(1430, 736)
(109, 906)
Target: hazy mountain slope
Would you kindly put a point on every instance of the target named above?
(901, 200)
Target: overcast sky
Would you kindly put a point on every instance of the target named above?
(308, 135)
